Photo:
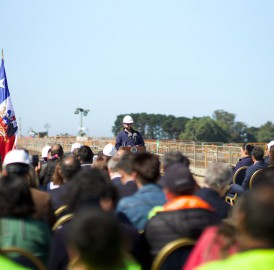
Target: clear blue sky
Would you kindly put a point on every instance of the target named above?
(185, 58)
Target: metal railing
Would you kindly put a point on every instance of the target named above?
(200, 155)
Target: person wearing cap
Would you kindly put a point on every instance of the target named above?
(267, 157)
(17, 163)
(103, 157)
(46, 153)
(128, 136)
(75, 148)
(109, 150)
(184, 215)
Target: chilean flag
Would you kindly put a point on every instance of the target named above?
(8, 125)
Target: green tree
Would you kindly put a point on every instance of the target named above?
(252, 134)
(173, 126)
(266, 131)
(204, 129)
(224, 119)
(238, 133)
(118, 124)
(153, 126)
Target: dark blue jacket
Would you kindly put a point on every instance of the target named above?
(129, 139)
(246, 161)
(250, 170)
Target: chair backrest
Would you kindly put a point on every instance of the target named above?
(231, 198)
(239, 175)
(253, 178)
(60, 210)
(23, 257)
(173, 255)
(61, 221)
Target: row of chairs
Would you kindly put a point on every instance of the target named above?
(238, 178)
(171, 256)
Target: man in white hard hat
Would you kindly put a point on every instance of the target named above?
(128, 136)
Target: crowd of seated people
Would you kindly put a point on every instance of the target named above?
(123, 208)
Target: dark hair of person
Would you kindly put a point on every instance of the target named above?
(57, 177)
(85, 154)
(257, 153)
(173, 157)
(89, 186)
(99, 154)
(247, 148)
(31, 177)
(101, 163)
(147, 167)
(17, 168)
(70, 165)
(57, 151)
(126, 162)
(96, 235)
(257, 206)
(15, 197)
(110, 193)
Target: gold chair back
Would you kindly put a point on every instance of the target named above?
(60, 210)
(26, 254)
(61, 221)
(168, 249)
(239, 175)
(253, 178)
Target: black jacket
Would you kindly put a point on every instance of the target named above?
(211, 196)
(167, 226)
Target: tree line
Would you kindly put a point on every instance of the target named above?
(221, 127)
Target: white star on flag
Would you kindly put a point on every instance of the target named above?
(2, 83)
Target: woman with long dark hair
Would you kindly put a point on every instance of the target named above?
(17, 227)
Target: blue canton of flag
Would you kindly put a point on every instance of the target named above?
(8, 125)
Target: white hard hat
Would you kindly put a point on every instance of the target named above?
(128, 120)
(75, 146)
(109, 150)
(270, 144)
(16, 156)
(45, 151)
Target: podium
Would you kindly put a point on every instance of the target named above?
(134, 149)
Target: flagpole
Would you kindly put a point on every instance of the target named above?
(2, 53)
